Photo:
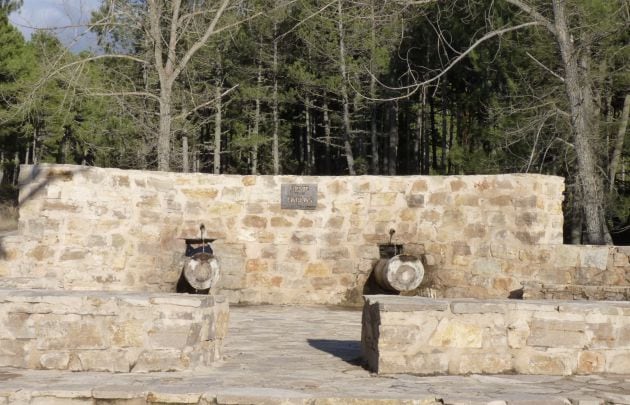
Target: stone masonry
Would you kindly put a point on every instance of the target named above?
(109, 331)
(84, 228)
(417, 335)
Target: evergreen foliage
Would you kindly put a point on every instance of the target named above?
(308, 87)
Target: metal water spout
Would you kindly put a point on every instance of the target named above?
(202, 229)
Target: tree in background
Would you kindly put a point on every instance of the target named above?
(16, 60)
(375, 86)
(583, 34)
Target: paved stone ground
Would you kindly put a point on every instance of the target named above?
(301, 355)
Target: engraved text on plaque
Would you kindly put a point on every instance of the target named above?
(298, 196)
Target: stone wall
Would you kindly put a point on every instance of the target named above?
(119, 332)
(427, 336)
(501, 268)
(86, 228)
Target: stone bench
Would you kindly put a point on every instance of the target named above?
(110, 331)
(460, 336)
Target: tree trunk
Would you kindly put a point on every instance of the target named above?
(419, 150)
(275, 143)
(164, 131)
(417, 139)
(1, 167)
(16, 166)
(424, 134)
(256, 130)
(309, 140)
(580, 97)
(63, 155)
(34, 146)
(347, 129)
(217, 131)
(393, 139)
(185, 164)
(621, 134)
(576, 223)
(327, 139)
(373, 132)
(449, 169)
(433, 131)
(443, 135)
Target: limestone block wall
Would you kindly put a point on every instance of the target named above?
(109, 331)
(109, 229)
(461, 336)
(501, 268)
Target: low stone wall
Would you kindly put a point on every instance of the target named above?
(107, 331)
(499, 268)
(458, 336)
(83, 228)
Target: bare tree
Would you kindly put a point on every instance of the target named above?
(169, 61)
(347, 127)
(162, 37)
(619, 142)
(578, 87)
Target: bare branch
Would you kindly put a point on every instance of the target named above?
(545, 67)
(542, 20)
(307, 18)
(154, 32)
(123, 94)
(172, 41)
(202, 41)
(412, 89)
(415, 2)
(540, 128)
(237, 23)
(207, 103)
(85, 60)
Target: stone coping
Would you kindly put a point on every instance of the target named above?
(133, 298)
(461, 336)
(392, 303)
(110, 331)
(535, 290)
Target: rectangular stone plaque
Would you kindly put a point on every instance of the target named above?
(298, 196)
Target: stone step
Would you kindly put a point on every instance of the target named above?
(534, 290)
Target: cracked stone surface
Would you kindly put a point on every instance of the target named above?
(301, 355)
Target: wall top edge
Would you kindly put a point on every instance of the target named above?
(389, 303)
(31, 170)
(151, 298)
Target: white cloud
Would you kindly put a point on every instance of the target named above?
(66, 18)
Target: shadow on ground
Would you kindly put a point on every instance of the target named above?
(347, 350)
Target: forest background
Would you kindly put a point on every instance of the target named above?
(347, 87)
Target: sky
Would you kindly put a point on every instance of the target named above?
(43, 14)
